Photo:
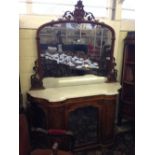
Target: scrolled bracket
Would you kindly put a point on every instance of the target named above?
(112, 77)
(36, 81)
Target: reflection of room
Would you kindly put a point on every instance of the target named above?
(79, 74)
(80, 46)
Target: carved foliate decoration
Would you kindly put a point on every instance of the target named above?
(79, 14)
(113, 72)
(36, 81)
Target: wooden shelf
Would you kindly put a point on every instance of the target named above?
(127, 101)
(129, 82)
(130, 63)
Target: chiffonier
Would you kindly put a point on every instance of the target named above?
(74, 81)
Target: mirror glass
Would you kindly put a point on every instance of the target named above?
(71, 49)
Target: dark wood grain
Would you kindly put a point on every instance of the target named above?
(58, 114)
(127, 93)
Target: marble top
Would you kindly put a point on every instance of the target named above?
(56, 94)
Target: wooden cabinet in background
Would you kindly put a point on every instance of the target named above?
(127, 93)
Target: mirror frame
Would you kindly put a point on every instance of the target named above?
(77, 16)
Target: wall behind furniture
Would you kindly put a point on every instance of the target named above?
(28, 48)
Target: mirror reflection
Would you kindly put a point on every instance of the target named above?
(68, 49)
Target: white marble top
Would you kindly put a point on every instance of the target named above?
(62, 93)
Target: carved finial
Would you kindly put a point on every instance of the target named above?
(79, 4)
(79, 12)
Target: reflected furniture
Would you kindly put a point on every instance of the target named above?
(74, 80)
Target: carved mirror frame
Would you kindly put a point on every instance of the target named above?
(78, 16)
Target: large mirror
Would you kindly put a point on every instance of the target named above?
(75, 45)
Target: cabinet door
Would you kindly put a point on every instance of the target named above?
(92, 120)
(83, 119)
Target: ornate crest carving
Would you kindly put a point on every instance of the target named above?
(79, 14)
